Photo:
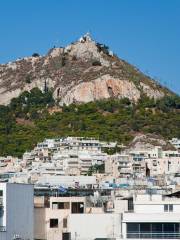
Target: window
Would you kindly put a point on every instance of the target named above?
(64, 222)
(66, 236)
(130, 204)
(168, 227)
(153, 230)
(165, 207)
(77, 207)
(133, 230)
(168, 208)
(1, 193)
(54, 223)
(157, 227)
(145, 229)
(54, 205)
(60, 205)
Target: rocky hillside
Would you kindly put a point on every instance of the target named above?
(148, 141)
(82, 72)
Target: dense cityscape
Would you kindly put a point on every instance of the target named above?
(66, 184)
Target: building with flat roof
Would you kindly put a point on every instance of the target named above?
(16, 211)
(152, 217)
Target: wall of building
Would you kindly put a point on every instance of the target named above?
(148, 218)
(55, 233)
(91, 226)
(67, 180)
(120, 206)
(20, 211)
(3, 217)
(154, 204)
(43, 217)
(39, 223)
(155, 207)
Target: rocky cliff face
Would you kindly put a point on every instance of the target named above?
(81, 72)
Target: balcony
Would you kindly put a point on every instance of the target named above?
(153, 230)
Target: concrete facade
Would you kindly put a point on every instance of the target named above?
(17, 211)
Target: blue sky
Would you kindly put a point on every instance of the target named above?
(144, 32)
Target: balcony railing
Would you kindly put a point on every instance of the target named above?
(154, 235)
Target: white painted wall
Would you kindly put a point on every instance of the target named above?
(153, 217)
(120, 206)
(155, 208)
(154, 204)
(67, 180)
(91, 226)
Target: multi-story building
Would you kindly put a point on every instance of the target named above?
(67, 181)
(166, 165)
(80, 143)
(175, 142)
(69, 218)
(16, 211)
(51, 218)
(152, 217)
(119, 165)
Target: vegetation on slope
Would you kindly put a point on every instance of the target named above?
(28, 120)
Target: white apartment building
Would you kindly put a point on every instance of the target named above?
(51, 169)
(67, 181)
(139, 155)
(80, 143)
(154, 162)
(119, 165)
(49, 143)
(175, 142)
(166, 165)
(171, 153)
(152, 217)
(16, 211)
(77, 162)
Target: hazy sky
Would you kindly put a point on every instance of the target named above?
(144, 32)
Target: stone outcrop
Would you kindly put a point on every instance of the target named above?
(102, 88)
(143, 142)
(152, 92)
